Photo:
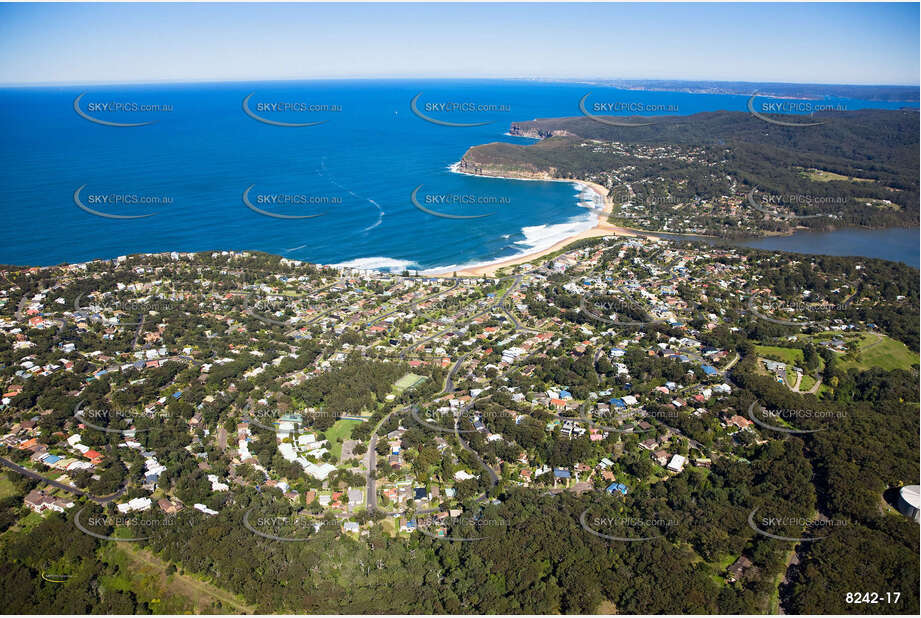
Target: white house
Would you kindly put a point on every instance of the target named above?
(136, 504)
(677, 463)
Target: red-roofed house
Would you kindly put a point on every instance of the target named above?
(740, 421)
(28, 444)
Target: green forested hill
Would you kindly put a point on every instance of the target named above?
(878, 148)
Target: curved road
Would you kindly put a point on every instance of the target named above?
(488, 309)
(370, 486)
(493, 477)
(68, 488)
(412, 304)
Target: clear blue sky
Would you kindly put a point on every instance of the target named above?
(816, 43)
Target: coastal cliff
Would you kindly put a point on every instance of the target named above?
(469, 164)
(535, 131)
(538, 161)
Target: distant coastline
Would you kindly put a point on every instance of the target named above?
(372, 228)
(778, 90)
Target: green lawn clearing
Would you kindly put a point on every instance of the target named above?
(341, 430)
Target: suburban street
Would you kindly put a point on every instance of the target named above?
(68, 488)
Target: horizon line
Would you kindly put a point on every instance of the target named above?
(576, 80)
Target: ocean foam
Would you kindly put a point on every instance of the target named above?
(378, 263)
(537, 238)
(540, 237)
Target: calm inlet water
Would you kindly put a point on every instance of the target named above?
(190, 167)
(897, 244)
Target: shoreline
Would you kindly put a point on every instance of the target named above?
(599, 229)
(629, 232)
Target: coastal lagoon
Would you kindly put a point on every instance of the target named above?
(896, 244)
(349, 172)
(893, 244)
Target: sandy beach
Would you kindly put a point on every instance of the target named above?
(602, 228)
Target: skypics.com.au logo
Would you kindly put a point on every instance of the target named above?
(768, 526)
(122, 311)
(626, 529)
(766, 308)
(448, 421)
(791, 108)
(97, 110)
(437, 527)
(273, 419)
(790, 416)
(788, 201)
(139, 525)
(287, 205)
(633, 108)
(435, 204)
(119, 203)
(616, 311)
(280, 112)
(104, 420)
(284, 529)
(441, 108)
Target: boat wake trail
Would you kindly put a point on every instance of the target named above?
(380, 216)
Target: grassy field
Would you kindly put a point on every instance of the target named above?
(7, 488)
(718, 569)
(875, 350)
(824, 176)
(407, 382)
(807, 383)
(341, 430)
(389, 526)
(145, 574)
(606, 608)
(774, 601)
(723, 563)
(791, 356)
(29, 521)
(881, 204)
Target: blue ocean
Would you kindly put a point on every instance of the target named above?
(337, 189)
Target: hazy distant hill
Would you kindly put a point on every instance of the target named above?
(775, 89)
